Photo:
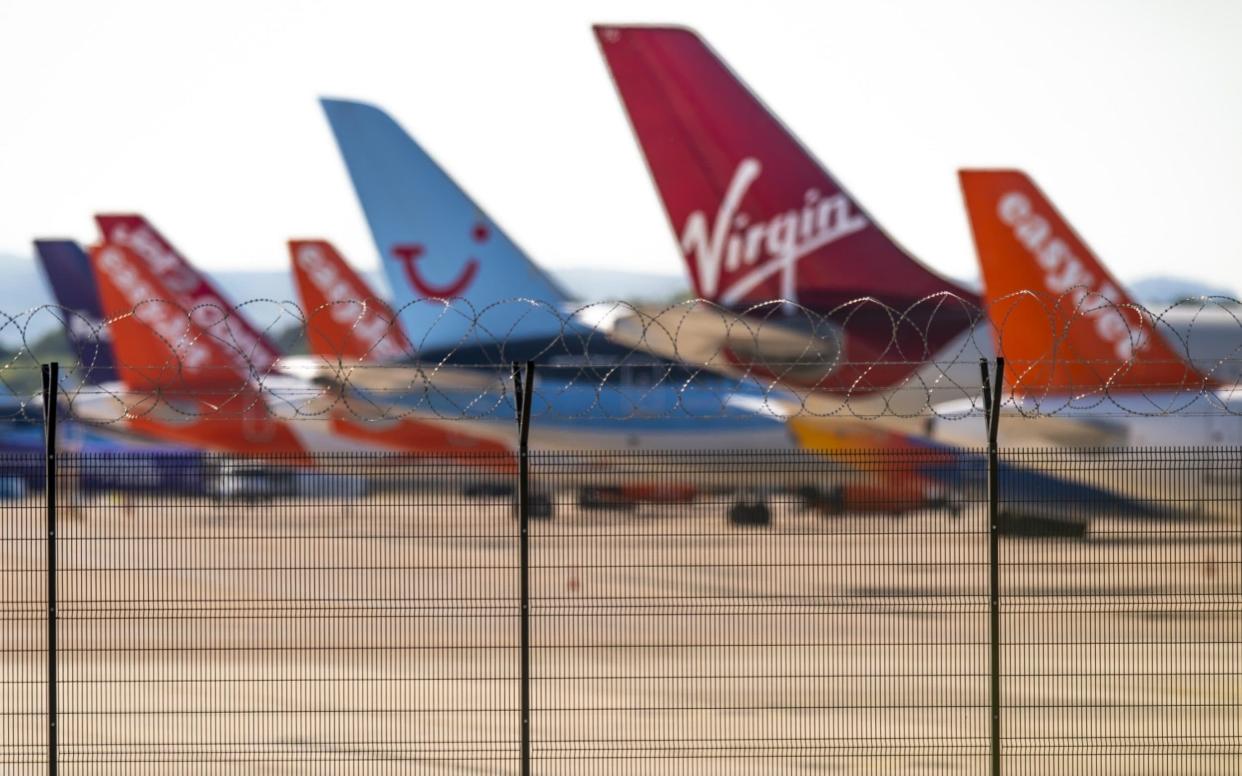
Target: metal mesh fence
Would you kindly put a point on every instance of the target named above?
(814, 616)
(218, 616)
(23, 600)
(707, 612)
(1121, 650)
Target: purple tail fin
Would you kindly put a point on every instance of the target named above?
(68, 271)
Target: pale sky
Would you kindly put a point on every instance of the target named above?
(204, 116)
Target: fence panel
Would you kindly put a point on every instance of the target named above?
(23, 600)
(220, 616)
(1121, 649)
(708, 612)
(682, 634)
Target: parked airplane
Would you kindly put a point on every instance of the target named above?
(349, 326)
(183, 376)
(1086, 366)
(762, 227)
(351, 330)
(469, 297)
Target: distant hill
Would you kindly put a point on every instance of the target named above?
(1166, 289)
(23, 286)
(591, 285)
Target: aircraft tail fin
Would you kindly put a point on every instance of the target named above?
(188, 384)
(68, 271)
(757, 218)
(1060, 318)
(192, 289)
(452, 270)
(158, 344)
(345, 318)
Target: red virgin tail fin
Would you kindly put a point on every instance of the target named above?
(189, 287)
(1059, 316)
(345, 319)
(756, 216)
(758, 219)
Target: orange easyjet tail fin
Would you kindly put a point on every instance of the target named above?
(345, 319)
(186, 383)
(1061, 320)
(191, 289)
(158, 344)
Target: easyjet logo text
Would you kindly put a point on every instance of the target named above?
(205, 305)
(162, 318)
(1066, 275)
(347, 306)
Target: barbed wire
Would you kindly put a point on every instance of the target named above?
(1076, 354)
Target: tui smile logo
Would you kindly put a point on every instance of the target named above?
(409, 254)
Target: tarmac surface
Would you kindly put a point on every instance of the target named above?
(380, 637)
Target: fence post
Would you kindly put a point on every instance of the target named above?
(51, 378)
(991, 414)
(523, 384)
